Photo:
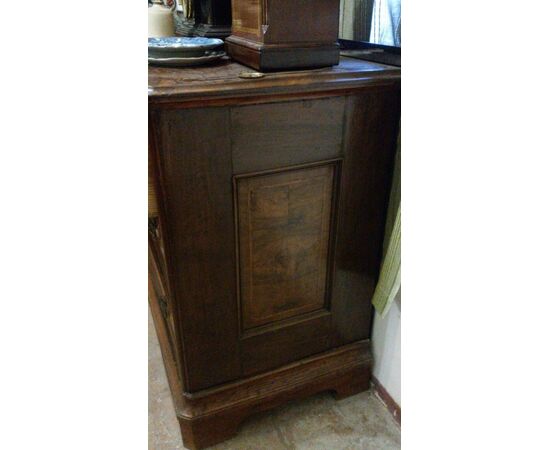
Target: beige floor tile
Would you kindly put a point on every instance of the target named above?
(371, 422)
(164, 432)
(256, 433)
(313, 423)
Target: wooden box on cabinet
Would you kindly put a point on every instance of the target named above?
(270, 197)
(284, 34)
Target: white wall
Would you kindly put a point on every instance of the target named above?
(386, 342)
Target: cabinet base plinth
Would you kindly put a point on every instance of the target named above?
(214, 415)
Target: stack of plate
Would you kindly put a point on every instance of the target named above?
(184, 51)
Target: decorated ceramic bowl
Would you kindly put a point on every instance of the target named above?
(187, 61)
(174, 47)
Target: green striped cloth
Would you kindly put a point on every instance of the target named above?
(389, 281)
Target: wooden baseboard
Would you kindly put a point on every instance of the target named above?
(390, 404)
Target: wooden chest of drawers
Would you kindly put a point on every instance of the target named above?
(266, 237)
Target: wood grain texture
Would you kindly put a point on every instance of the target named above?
(284, 225)
(157, 240)
(157, 294)
(273, 346)
(196, 175)
(152, 204)
(169, 358)
(247, 17)
(369, 150)
(268, 58)
(209, 130)
(310, 22)
(220, 84)
(214, 415)
(286, 134)
(283, 34)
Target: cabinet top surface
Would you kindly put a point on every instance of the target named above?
(222, 80)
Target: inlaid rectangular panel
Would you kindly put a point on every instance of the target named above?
(284, 222)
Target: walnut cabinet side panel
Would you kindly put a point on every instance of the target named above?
(273, 216)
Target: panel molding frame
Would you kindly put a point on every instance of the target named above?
(325, 310)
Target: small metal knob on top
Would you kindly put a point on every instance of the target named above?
(250, 75)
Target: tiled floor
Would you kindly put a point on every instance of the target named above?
(357, 423)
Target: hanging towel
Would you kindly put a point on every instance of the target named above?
(389, 281)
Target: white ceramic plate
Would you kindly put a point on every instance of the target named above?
(185, 62)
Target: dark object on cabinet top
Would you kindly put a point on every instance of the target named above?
(209, 18)
(385, 54)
